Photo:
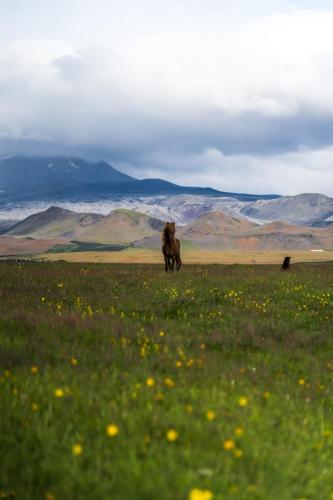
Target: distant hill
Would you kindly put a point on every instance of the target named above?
(213, 230)
(55, 222)
(215, 225)
(125, 226)
(225, 232)
(304, 209)
(120, 226)
(218, 231)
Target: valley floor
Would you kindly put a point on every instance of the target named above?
(191, 256)
(122, 382)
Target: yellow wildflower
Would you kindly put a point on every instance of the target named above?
(189, 408)
(211, 415)
(59, 393)
(266, 395)
(229, 444)
(150, 382)
(34, 369)
(112, 430)
(162, 333)
(243, 401)
(74, 361)
(172, 435)
(301, 381)
(197, 494)
(34, 407)
(77, 449)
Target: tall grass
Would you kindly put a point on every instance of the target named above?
(122, 382)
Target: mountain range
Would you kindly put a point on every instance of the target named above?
(63, 178)
(31, 185)
(212, 230)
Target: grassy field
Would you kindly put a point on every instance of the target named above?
(191, 256)
(122, 382)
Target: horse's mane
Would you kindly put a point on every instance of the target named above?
(166, 235)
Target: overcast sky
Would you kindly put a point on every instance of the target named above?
(235, 94)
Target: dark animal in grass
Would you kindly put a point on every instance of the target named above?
(171, 248)
(286, 264)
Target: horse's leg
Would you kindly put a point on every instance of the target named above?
(166, 262)
(177, 254)
(173, 264)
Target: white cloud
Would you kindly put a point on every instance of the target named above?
(286, 173)
(255, 88)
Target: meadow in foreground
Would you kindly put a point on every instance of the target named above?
(122, 382)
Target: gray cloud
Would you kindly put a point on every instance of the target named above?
(252, 101)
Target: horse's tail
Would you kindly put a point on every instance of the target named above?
(178, 259)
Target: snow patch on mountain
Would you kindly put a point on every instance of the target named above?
(181, 209)
(72, 164)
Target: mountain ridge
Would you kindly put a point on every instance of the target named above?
(120, 226)
(63, 178)
(213, 230)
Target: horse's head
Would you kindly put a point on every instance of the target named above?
(172, 229)
(169, 231)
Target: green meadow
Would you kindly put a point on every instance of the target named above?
(123, 382)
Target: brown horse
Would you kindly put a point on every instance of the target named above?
(171, 247)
